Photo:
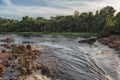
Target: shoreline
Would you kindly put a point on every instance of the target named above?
(112, 42)
(77, 34)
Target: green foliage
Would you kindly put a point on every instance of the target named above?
(117, 24)
(104, 22)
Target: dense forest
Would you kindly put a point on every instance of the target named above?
(105, 21)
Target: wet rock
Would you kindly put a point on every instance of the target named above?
(8, 39)
(34, 77)
(2, 69)
(23, 70)
(4, 54)
(14, 65)
(112, 42)
(6, 46)
(40, 77)
(104, 41)
(21, 59)
(5, 63)
(14, 46)
(22, 47)
(88, 41)
(29, 47)
(118, 49)
(29, 68)
(4, 51)
(26, 69)
(44, 69)
(28, 59)
(33, 55)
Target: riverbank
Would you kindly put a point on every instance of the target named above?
(17, 62)
(79, 34)
(112, 42)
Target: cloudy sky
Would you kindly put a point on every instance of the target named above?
(18, 8)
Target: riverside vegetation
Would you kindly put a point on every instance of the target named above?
(104, 22)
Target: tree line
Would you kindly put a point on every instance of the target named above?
(104, 21)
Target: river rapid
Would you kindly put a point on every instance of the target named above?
(78, 60)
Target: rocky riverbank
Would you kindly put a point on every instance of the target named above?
(17, 62)
(112, 42)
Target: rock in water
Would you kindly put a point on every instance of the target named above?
(2, 69)
(34, 77)
(8, 39)
(4, 54)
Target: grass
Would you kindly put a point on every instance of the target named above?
(77, 34)
(80, 34)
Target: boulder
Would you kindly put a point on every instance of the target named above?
(114, 44)
(23, 70)
(34, 77)
(4, 54)
(29, 47)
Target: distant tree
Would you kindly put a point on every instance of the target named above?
(76, 13)
(107, 13)
(40, 24)
(117, 28)
(103, 21)
(27, 22)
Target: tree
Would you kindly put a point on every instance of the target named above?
(76, 13)
(104, 20)
(117, 24)
(25, 23)
(108, 18)
(40, 23)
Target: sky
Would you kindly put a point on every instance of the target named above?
(16, 9)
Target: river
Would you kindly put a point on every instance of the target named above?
(79, 61)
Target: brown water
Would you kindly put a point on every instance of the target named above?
(79, 61)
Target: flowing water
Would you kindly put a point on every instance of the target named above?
(79, 61)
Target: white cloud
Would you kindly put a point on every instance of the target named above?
(54, 7)
(114, 3)
(32, 11)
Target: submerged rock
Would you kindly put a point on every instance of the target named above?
(88, 41)
(8, 39)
